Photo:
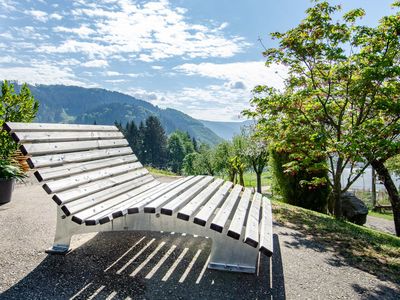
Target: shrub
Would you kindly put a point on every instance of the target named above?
(299, 186)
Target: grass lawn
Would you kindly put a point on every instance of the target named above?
(360, 247)
(383, 215)
(160, 172)
(250, 179)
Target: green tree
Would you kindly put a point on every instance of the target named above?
(118, 125)
(154, 143)
(341, 95)
(256, 153)
(141, 152)
(133, 137)
(238, 161)
(179, 146)
(393, 164)
(185, 140)
(194, 142)
(190, 165)
(223, 163)
(205, 161)
(176, 153)
(14, 107)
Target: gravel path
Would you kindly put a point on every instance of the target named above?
(380, 224)
(100, 266)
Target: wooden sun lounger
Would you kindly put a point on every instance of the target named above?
(99, 185)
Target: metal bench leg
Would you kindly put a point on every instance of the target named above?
(64, 232)
(228, 254)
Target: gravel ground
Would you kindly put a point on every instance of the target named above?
(299, 269)
(380, 224)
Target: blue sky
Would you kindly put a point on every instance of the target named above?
(199, 56)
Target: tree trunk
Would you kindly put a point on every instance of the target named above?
(258, 182)
(392, 191)
(258, 167)
(373, 183)
(331, 202)
(232, 176)
(241, 178)
(337, 189)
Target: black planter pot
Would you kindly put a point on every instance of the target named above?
(6, 189)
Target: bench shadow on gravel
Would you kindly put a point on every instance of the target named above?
(117, 266)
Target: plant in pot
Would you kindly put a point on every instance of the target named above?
(14, 107)
(9, 174)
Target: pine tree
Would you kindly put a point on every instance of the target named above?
(176, 152)
(194, 142)
(133, 137)
(118, 125)
(141, 151)
(155, 143)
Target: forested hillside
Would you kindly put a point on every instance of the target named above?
(71, 104)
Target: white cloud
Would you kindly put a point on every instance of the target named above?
(239, 85)
(211, 102)
(41, 73)
(72, 46)
(28, 33)
(56, 16)
(144, 95)
(6, 35)
(96, 63)
(133, 75)
(8, 5)
(38, 15)
(219, 102)
(154, 31)
(115, 80)
(249, 74)
(69, 62)
(112, 73)
(157, 67)
(82, 31)
(9, 59)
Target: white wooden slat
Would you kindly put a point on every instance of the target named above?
(59, 159)
(199, 200)
(172, 206)
(46, 127)
(95, 210)
(76, 168)
(64, 147)
(93, 187)
(64, 136)
(93, 199)
(121, 209)
(137, 205)
(72, 181)
(266, 238)
(224, 212)
(154, 205)
(118, 210)
(208, 209)
(106, 211)
(236, 226)
(252, 226)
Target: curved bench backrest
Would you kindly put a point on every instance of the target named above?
(78, 160)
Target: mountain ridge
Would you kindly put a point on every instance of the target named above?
(73, 104)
